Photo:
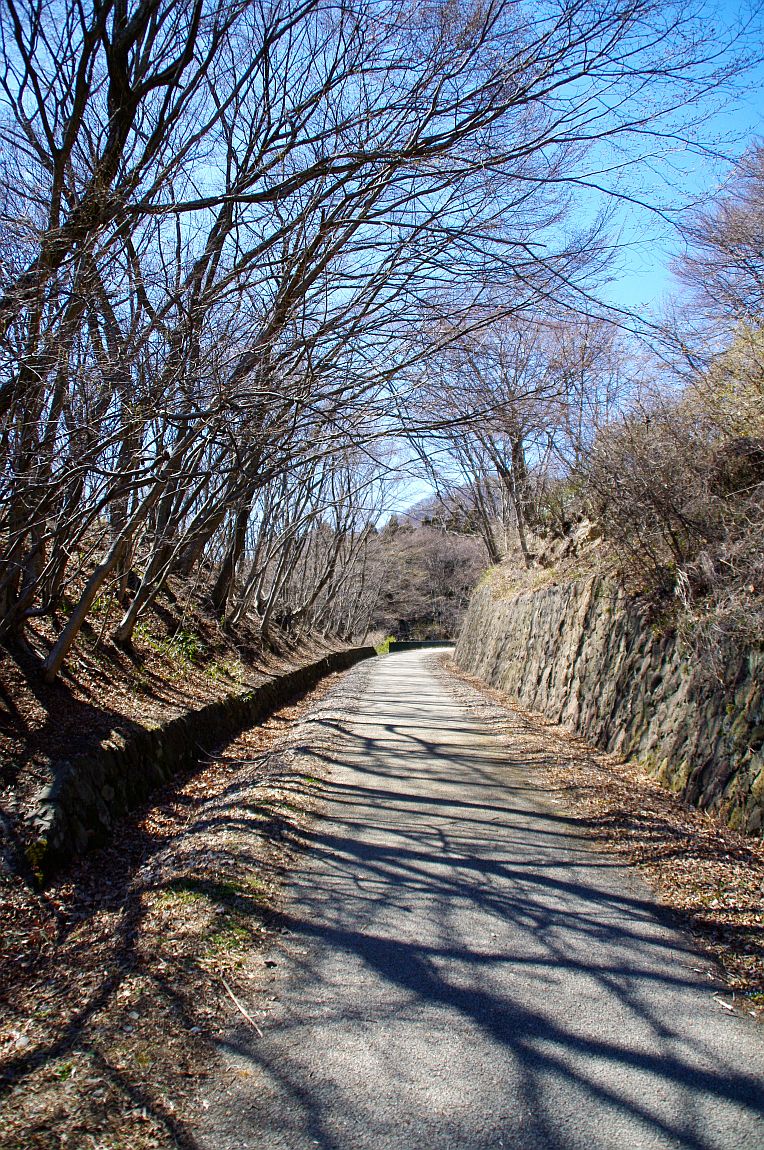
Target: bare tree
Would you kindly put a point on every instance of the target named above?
(233, 232)
(678, 481)
(520, 401)
(723, 263)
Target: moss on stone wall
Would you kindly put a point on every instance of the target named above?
(88, 796)
(584, 654)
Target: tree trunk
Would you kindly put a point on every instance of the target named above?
(224, 583)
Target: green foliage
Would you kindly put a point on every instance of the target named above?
(35, 854)
(232, 936)
(174, 896)
(237, 904)
(185, 645)
(182, 647)
(230, 669)
(222, 892)
(383, 648)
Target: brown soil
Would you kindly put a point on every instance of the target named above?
(119, 978)
(709, 876)
(180, 659)
(115, 980)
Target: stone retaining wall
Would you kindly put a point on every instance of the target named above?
(584, 655)
(88, 796)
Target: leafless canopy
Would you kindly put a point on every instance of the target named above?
(231, 231)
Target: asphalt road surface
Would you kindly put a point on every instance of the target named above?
(462, 972)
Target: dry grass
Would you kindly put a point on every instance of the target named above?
(118, 979)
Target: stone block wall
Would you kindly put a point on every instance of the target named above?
(89, 795)
(584, 655)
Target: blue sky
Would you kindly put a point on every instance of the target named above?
(642, 278)
(645, 277)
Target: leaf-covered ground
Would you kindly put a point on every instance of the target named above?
(180, 659)
(118, 979)
(710, 876)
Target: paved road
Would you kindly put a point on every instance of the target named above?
(463, 973)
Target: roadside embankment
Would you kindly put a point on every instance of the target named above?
(89, 795)
(584, 654)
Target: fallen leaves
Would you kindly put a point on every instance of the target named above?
(118, 980)
(710, 876)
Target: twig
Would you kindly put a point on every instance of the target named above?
(239, 1006)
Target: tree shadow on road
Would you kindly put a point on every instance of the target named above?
(446, 889)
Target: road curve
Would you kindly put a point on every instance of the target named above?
(462, 971)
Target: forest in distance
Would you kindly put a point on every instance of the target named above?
(261, 259)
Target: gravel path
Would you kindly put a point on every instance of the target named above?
(460, 971)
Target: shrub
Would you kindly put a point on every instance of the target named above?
(679, 489)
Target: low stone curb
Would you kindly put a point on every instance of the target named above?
(81, 807)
